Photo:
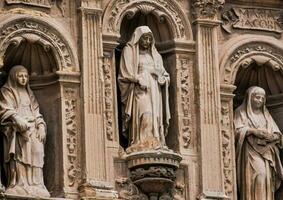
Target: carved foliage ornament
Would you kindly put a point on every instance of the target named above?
(72, 135)
(163, 9)
(227, 149)
(255, 52)
(19, 27)
(207, 9)
(165, 172)
(253, 19)
(108, 97)
(185, 64)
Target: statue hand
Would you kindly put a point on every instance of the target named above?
(142, 83)
(41, 134)
(161, 80)
(21, 123)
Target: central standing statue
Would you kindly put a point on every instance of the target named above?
(24, 136)
(143, 83)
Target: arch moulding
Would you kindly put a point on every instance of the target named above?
(50, 35)
(245, 50)
(163, 9)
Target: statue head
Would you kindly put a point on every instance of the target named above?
(256, 97)
(143, 37)
(18, 76)
(145, 41)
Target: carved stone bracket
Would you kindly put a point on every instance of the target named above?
(262, 19)
(154, 172)
(128, 191)
(207, 9)
(13, 31)
(163, 9)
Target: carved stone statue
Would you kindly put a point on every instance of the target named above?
(24, 135)
(258, 139)
(143, 83)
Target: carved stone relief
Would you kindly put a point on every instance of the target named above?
(163, 9)
(39, 3)
(72, 135)
(26, 26)
(262, 19)
(186, 119)
(61, 4)
(108, 97)
(128, 191)
(226, 148)
(204, 9)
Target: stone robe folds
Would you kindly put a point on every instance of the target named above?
(23, 152)
(139, 106)
(258, 162)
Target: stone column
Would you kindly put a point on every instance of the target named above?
(94, 156)
(70, 128)
(228, 148)
(209, 130)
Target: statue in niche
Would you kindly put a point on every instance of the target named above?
(24, 136)
(144, 83)
(258, 139)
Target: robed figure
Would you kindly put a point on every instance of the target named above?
(144, 83)
(24, 136)
(258, 139)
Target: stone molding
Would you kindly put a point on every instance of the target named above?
(162, 9)
(49, 35)
(244, 51)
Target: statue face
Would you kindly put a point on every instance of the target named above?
(257, 100)
(145, 41)
(22, 78)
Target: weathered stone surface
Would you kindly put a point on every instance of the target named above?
(213, 51)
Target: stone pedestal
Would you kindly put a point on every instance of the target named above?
(154, 172)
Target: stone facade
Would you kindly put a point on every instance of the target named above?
(72, 50)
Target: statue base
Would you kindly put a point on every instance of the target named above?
(154, 171)
(97, 190)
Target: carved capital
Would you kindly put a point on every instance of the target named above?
(207, 9)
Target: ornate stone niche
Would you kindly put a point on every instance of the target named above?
(250, 61)
(173, 36)
(41, 47)
(159, 22)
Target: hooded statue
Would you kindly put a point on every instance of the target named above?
(24, 136)
(257, 138)
(144, 83)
